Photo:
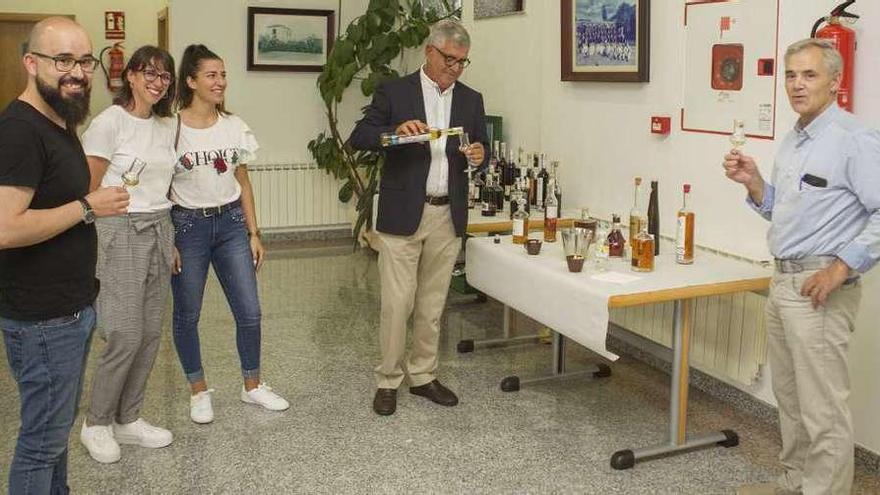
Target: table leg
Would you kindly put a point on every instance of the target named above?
(678, 397)
(469, 345)
(598, 370)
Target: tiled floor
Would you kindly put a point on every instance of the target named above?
(320, 311)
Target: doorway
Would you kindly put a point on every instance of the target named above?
(14, 31)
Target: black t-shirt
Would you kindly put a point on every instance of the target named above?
(55, 277)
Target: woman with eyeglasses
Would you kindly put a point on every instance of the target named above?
(129, 145)
(215, 224)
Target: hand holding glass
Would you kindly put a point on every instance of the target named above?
(132, 176)
(738, 138)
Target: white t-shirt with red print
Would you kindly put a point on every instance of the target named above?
(204, 174)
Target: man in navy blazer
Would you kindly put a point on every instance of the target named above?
(422, 207)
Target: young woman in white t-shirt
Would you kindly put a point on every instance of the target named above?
(130, 144)
(215, 224)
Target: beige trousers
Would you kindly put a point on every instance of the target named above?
(414, 272)
(808, 359)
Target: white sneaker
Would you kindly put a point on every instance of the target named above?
(264, 396)
(200, 409)
(142, 433)
(99, 441)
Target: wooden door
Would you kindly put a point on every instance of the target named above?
(14, 31)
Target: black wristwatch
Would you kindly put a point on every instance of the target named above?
(88, 212)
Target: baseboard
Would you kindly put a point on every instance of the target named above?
(624, 342)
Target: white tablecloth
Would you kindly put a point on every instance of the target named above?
(576, 304)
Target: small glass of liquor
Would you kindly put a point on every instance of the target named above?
(533, 246)
(132, 176)
(643, 251)
(576, 244)
(464, 142)
(738, 137)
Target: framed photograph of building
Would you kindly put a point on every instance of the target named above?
(605, 40)
(294, 40)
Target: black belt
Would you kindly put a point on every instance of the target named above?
(811, 263)
(209, 211)
(437, 200)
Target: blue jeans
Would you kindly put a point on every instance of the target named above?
(47, 359)
(220, 240)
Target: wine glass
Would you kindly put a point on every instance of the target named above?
(132, 176)
(738, 138)
(464, 142)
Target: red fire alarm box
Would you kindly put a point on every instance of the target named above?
(661, 125)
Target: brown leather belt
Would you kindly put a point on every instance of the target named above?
(437, 200)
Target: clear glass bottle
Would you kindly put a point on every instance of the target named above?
(684, 237)
(551, 215)
(643, 251)
(520, 223)
(488, 208)
(616, 242)
(635, 214)
(541, 187)
(392, 139)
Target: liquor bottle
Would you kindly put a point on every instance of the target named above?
(635, 215)
(600, 244)
(542, 185)
(533, 179)
(392, 139)
(558, 189)
(488, 206)
(643, 251)
(515, 195)
(478, 187)
(524, 187)
(520, 223)
(551, 214)
(494, 157)
(506, 171)
(616, 242)
(654, 216)
(684, 237)
(472, 188)
(497, 192)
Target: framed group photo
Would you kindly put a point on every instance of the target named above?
(293, 40)
(605, 40)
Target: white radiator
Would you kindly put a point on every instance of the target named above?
(292, 197)
(728, 335)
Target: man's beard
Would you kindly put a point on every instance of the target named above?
(73, 109)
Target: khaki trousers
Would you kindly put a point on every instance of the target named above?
(414, 272)
(808, 359)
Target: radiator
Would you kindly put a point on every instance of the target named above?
(728, 334)
(292, 197)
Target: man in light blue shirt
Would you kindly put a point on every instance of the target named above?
(823, 202)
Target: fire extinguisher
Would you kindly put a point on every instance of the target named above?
(117, 64)
(844, 39)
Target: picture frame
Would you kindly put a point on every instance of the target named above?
(605, 40)
(487, 9)
(291, 40)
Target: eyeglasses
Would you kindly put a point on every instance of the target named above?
(151, 75)
(66, 63)
(451, 61)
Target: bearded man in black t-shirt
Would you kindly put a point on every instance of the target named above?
(48, 248)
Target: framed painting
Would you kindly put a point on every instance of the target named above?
(606, 40)
(293, 40)
(485, 9)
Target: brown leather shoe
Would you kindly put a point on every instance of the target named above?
(435, 391)
(385, 401)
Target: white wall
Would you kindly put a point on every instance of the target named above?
(600, 132)
(283, 108)
(141, 28)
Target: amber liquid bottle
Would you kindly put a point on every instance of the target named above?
(520, 224)
(551, 214)
(635, 215)
(643, 252)
(684, 238)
